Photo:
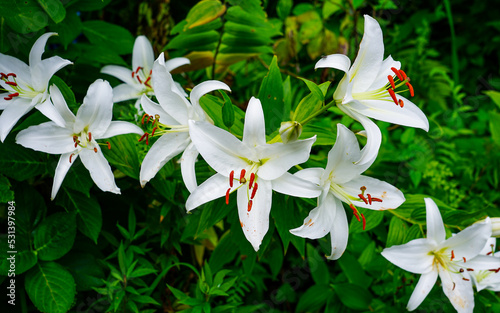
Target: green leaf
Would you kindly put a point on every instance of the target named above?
(314, 298)
(24, 16)
(353, 270)
(397, 232)
(224, 253)
(54, 9)
(68, 29)
(109, 35)
(85, 269)
(283, 8)
(195, 42)
(204, 12)
(373, 219)
(286, 217)
(5, 193)
(494, 95)
(91, 5)
(313, 88)
(50, 287)
(88, 210)
(317, 266)
(495, 127)
(123, 154)
(55, 236)
(353, 296)
(19, 261)
(66, 91)
(227, 110)
(272, 98)
(20, 163)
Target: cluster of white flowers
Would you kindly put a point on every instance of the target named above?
(253, 167)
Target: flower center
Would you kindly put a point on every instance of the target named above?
(14, 88)
(84, 141)
(158, 128)
(142, 77)
(245, 178)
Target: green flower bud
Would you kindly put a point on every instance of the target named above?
(290, 131)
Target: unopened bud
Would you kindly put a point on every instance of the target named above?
(290, 131)
(495, 226)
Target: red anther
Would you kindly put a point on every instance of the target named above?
(252, 178)
(147, 82)
(7, 98)
(150, 72)
(376, 200)
(146, 135)
(489, 253)
(466, 279)
(391, 80)
(70, 156)
(452, 255)
(3, 75)
(393, 95)
(15, 94)
(363, 198)
(153, 132)
(464, 259)
(109, 145)
(250, 205)
(142, 120)
(410, 87)
(11, 74)
(95, 149)
(75, 138)
(231, 178)
(227, 195)
(90, 136)
(470, 270)
(364, 221)
(149, 117)
(369, 198)
(453, 286)
(11, 83)
(355, 211)
(398, 74)
(254, 191)
(133, 73)
(76, 143)
(242, 176)
(401, 103)
(403, 74)
(461, 270)
(139, 79)
(138, 69)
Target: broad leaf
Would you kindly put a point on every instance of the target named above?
(55, 236)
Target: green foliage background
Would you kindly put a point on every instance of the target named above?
(89, 251)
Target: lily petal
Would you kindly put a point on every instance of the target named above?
(188, 160)
(47, 137)
(483, 262)
(424, 286)
(99, 169)
(391, 197)
(97, 109)
(124, 92)
(470, 241)
(412, 257)
(292, 185)
(60, 104)
(48, 109)
(385, 70)
(61, 170)
(175, 63)
(313, 174)
(435, 226)
(281, 157)
(44, 70)
(119, 128)
(320, 220)
(458, 290)
(202, 89)
(369, 58)
(338, 61)
(255, 222)
(122, 73)
(339, 233)
(153, 109)
(164, 149)
(12, 113)
(254, 132)
(38, 48)
(213, 188)
(373, 135)
(219, 148)
(9, 64)
(143, 55)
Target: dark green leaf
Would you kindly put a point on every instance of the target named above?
(283, 8)
(317, 266)
(54, 9)
(24, 16)
(5, 193)
(68, 29)
(55, 235)
(314, 298)
(109, 35)
(227, 110)
(123, 154)
(353, 297)
(195, 42)
(397, 232)
(272, 98)
(20, 163)
(50, 287)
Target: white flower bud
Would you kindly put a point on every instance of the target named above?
(290, 131)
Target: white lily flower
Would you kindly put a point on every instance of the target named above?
(453, 259)
(137, 82)
(78, 134)
(171, 119)
(487, 279)
(369, 88)
(251, 167)
(342, 181)
(24, 87)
